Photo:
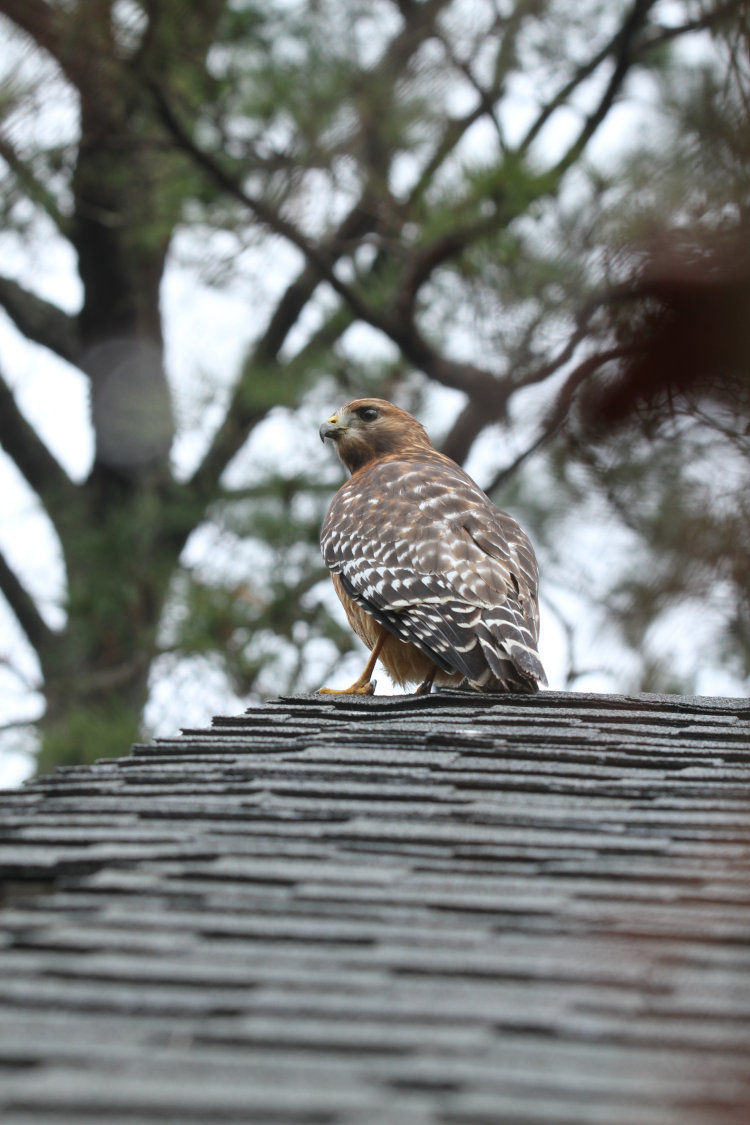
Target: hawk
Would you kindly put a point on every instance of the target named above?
(439, 583)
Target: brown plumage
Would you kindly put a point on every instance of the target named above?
(438, 582)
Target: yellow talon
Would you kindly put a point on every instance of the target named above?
(364, 685)
(426, 686)
(360, 687)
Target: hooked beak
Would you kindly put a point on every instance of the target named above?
(332, 429)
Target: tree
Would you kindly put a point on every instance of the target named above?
(657, 420)
(416, 163)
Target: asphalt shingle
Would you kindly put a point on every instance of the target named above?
(459, 910)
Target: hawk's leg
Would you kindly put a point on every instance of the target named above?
(426, 686)
(364, 685)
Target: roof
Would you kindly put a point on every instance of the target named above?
(531, 910)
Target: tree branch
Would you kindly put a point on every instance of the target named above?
(34, 461)
(246, 410)
(452, 134)
(474, 417)
(41, 321)
(467, 427)
(426, 259)
(456, 127)
(625, 53)
(284, 487)
(24, 609)
(561, 97)
(710, 19)
(38, 20)
(559, 413)
(623, 47)
(18, 724)
(263, 211)
(430, 257)
(29, 183)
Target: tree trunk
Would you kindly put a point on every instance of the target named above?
(121, 553)
(118, 558)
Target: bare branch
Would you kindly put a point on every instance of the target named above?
(41, 321)
(475, 417)
(29, 453)
(468, 426)
(263, 211)
(31, 186)
(474, 381)
(626, 48)
(17, 724)
(486, 98)
(630, 42)
(625, 51)
(39, 20)
(429, 258)
(561, 97)
(23, 607)
(457, 127)
(26, 682)
(559, 413)
(452, 134)
(713, 17)
(246, 409)
(426, 260)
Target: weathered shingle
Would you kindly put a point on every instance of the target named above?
(529, 910)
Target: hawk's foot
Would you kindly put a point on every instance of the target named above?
(359, 687)
(426, 686)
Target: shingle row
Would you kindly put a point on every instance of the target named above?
(451, 909)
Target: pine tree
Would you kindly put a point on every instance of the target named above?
(410, 197)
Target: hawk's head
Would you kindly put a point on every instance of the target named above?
(366, 429)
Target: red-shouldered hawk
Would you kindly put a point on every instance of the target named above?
(436, 580)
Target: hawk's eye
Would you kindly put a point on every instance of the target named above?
(368, 413)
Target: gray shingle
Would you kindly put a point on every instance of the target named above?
(449, 910)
